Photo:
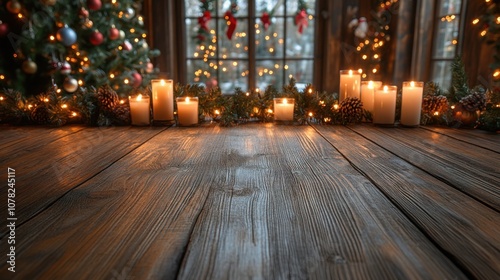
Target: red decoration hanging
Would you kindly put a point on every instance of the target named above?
(301, 21)
(231, 24)
(204, 19)
(96, 38)
(94, 5)
(266, 20)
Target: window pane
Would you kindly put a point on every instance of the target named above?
(237, 46)
(269, 44)
(301, 70)
(300, 45)
(446, 39)
(233, 74)
(269, 72)
(269, 6)
(293, 6)
(199, 71)
(225, 5)
(441, 73)
(192, 8)
(449, 7)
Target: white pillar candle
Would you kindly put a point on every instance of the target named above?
(139, 110)
(350, 84)
(384, 106)
(411, 105)
(368, 93)
(163, 100)
(283, 109)
(187, 110)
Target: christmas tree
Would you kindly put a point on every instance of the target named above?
(73, 44)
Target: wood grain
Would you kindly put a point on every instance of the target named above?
(469, 168)
(464, 228)
(285, 204)
(484, 139)
(46, 170)
(132, 220)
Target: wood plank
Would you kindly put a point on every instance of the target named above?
(131, 221)
(48, 169)
(481, 138)
(469, 168)
(464, 228)
(14, 138)
(285, 204)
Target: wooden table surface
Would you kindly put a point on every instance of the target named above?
(262, 201)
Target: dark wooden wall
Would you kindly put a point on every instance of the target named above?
(407, 58)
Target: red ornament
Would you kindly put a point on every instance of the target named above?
(4, 29)
(127, 46)
(114, 33)
(204, 19)
(136, 79)
(84, 13)
(301, 21)
(65, 68)
(94, 5)
(266, 20)
(96, 38)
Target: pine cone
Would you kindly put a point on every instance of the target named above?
(432, 104)
(121, 114)
(351, 110)
(107, 98)
(40, 115)
(475, 101)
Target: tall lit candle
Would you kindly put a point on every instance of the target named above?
(187, 110)
(163, 100)
(350, 84)
(411, 105)
(139, 110)
(384, 106)
(368, 93)
(283, 109)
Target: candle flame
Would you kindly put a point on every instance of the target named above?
(139, 97)
(350, 73)
(370, 84)
(386, 88)
(162, 83)
(285, 101)
(187, 99)
(412, 84)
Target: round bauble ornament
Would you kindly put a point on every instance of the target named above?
(87, 23)
(150, 67)
(136, 79)
(122, 34)
(114, 33)
(128, 13)
(211, 83)
(127, 46)
(29, 66)
(94, 5)
(49, 2)
(65, 68)
(84, 13)
(4, 29)
(143, 44)
(14, 6)
(66, 36)
(96, 38)
(70, 84)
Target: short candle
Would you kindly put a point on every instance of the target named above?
(384, 106)
(350, 83)
(163, 99)
(283, 109)
(187, 110)
(139, 110)
(411, 105)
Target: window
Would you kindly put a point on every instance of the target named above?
(446, 43)
(267, 47)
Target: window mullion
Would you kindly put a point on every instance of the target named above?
(251, 45)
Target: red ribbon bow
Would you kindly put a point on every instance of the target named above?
(204, 19)
(266, 20)
(301, 21)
